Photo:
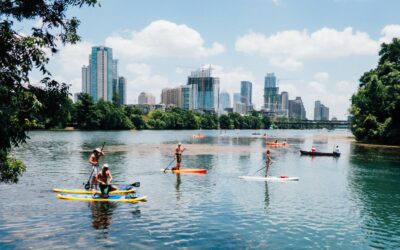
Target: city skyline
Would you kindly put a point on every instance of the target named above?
(307, 42)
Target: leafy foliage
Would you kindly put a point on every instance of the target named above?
(376, 105)
(21, 103)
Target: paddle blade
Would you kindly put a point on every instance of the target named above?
(136, 184)
(87, 186)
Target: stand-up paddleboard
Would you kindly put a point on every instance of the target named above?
(187, 170)
(83, 191)
(111, 198)
(269, 178)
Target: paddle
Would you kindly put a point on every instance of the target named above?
(87, 185)
(262, 168)
(169, 165)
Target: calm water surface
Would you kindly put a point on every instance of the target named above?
(349, 203)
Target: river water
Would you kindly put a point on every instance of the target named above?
(352, 202)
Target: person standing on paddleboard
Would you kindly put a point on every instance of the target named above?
(94, 162)
(268, 161)
(178, 156)
(104, 179)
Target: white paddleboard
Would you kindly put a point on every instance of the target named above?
(269, 178)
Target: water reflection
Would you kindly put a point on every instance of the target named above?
(177, 186)
(374, 180)
(266, 197)
(102, 216)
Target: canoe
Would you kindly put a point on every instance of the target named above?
(120, 190)
(113, 198)
(198, 136)
(334, 154)
(277, 144)
(269, 178)
(187, 170)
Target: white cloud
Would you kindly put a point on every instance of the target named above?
(321, 76)
(336, 96)
(389, 32)
(140, 78)
(293, 46)
(72, 57)
(163, 39)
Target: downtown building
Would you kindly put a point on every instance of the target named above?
(177, 97)
(296, 109)
(100, 78)
(271, 93)
(224, 102)
(321, 112)
(246, 95)
(204, 91)
(146, 98)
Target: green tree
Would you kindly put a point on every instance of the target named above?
(225, 122)
(376, 105)
(86, 115)
(20, 105)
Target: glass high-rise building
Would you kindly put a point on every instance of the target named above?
(296, 108)
(321, 112)
(115, 87)
(101, 73)
(205, 91)
(246, 94)
(186, 97)
(271, 93)
(121, 90)
(224, 101)
(86, 80)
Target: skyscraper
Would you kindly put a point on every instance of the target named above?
(86, 80)
(321, 112)
(101, 73)
(121, 90)
(205, 90)
(236, 98)
(146, 98)
(296, 108)
(171, 96)
(285, 103)
(224, 101)
(115, 88)
(271, 96)
(186, 97)
(246, 94)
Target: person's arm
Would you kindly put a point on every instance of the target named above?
(99, 179)
(91, 160)
(109, 179)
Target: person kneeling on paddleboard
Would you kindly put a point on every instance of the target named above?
(104, 179)
(178, 156)
(94, 162)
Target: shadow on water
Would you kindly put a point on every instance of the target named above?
(102, 216)
(374, 179)
(266, 198)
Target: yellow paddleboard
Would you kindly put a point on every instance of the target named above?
(83, 191)
(111, 198)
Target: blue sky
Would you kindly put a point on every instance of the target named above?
(318, 49)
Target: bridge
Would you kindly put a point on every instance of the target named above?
(310, 124)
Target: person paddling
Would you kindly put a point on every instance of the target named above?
(104, 179)
(94, 162)
(337, 151)
(178, 156)
(268, 161)
(313, 149)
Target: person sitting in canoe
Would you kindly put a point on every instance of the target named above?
(284, 142)
(178, 156)
(104, 179)
(313, 149)
(268, 161)
(337, 151)
(94, 162)
(276, 141)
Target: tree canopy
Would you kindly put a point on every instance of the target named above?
(21, 101)
(376, 105)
